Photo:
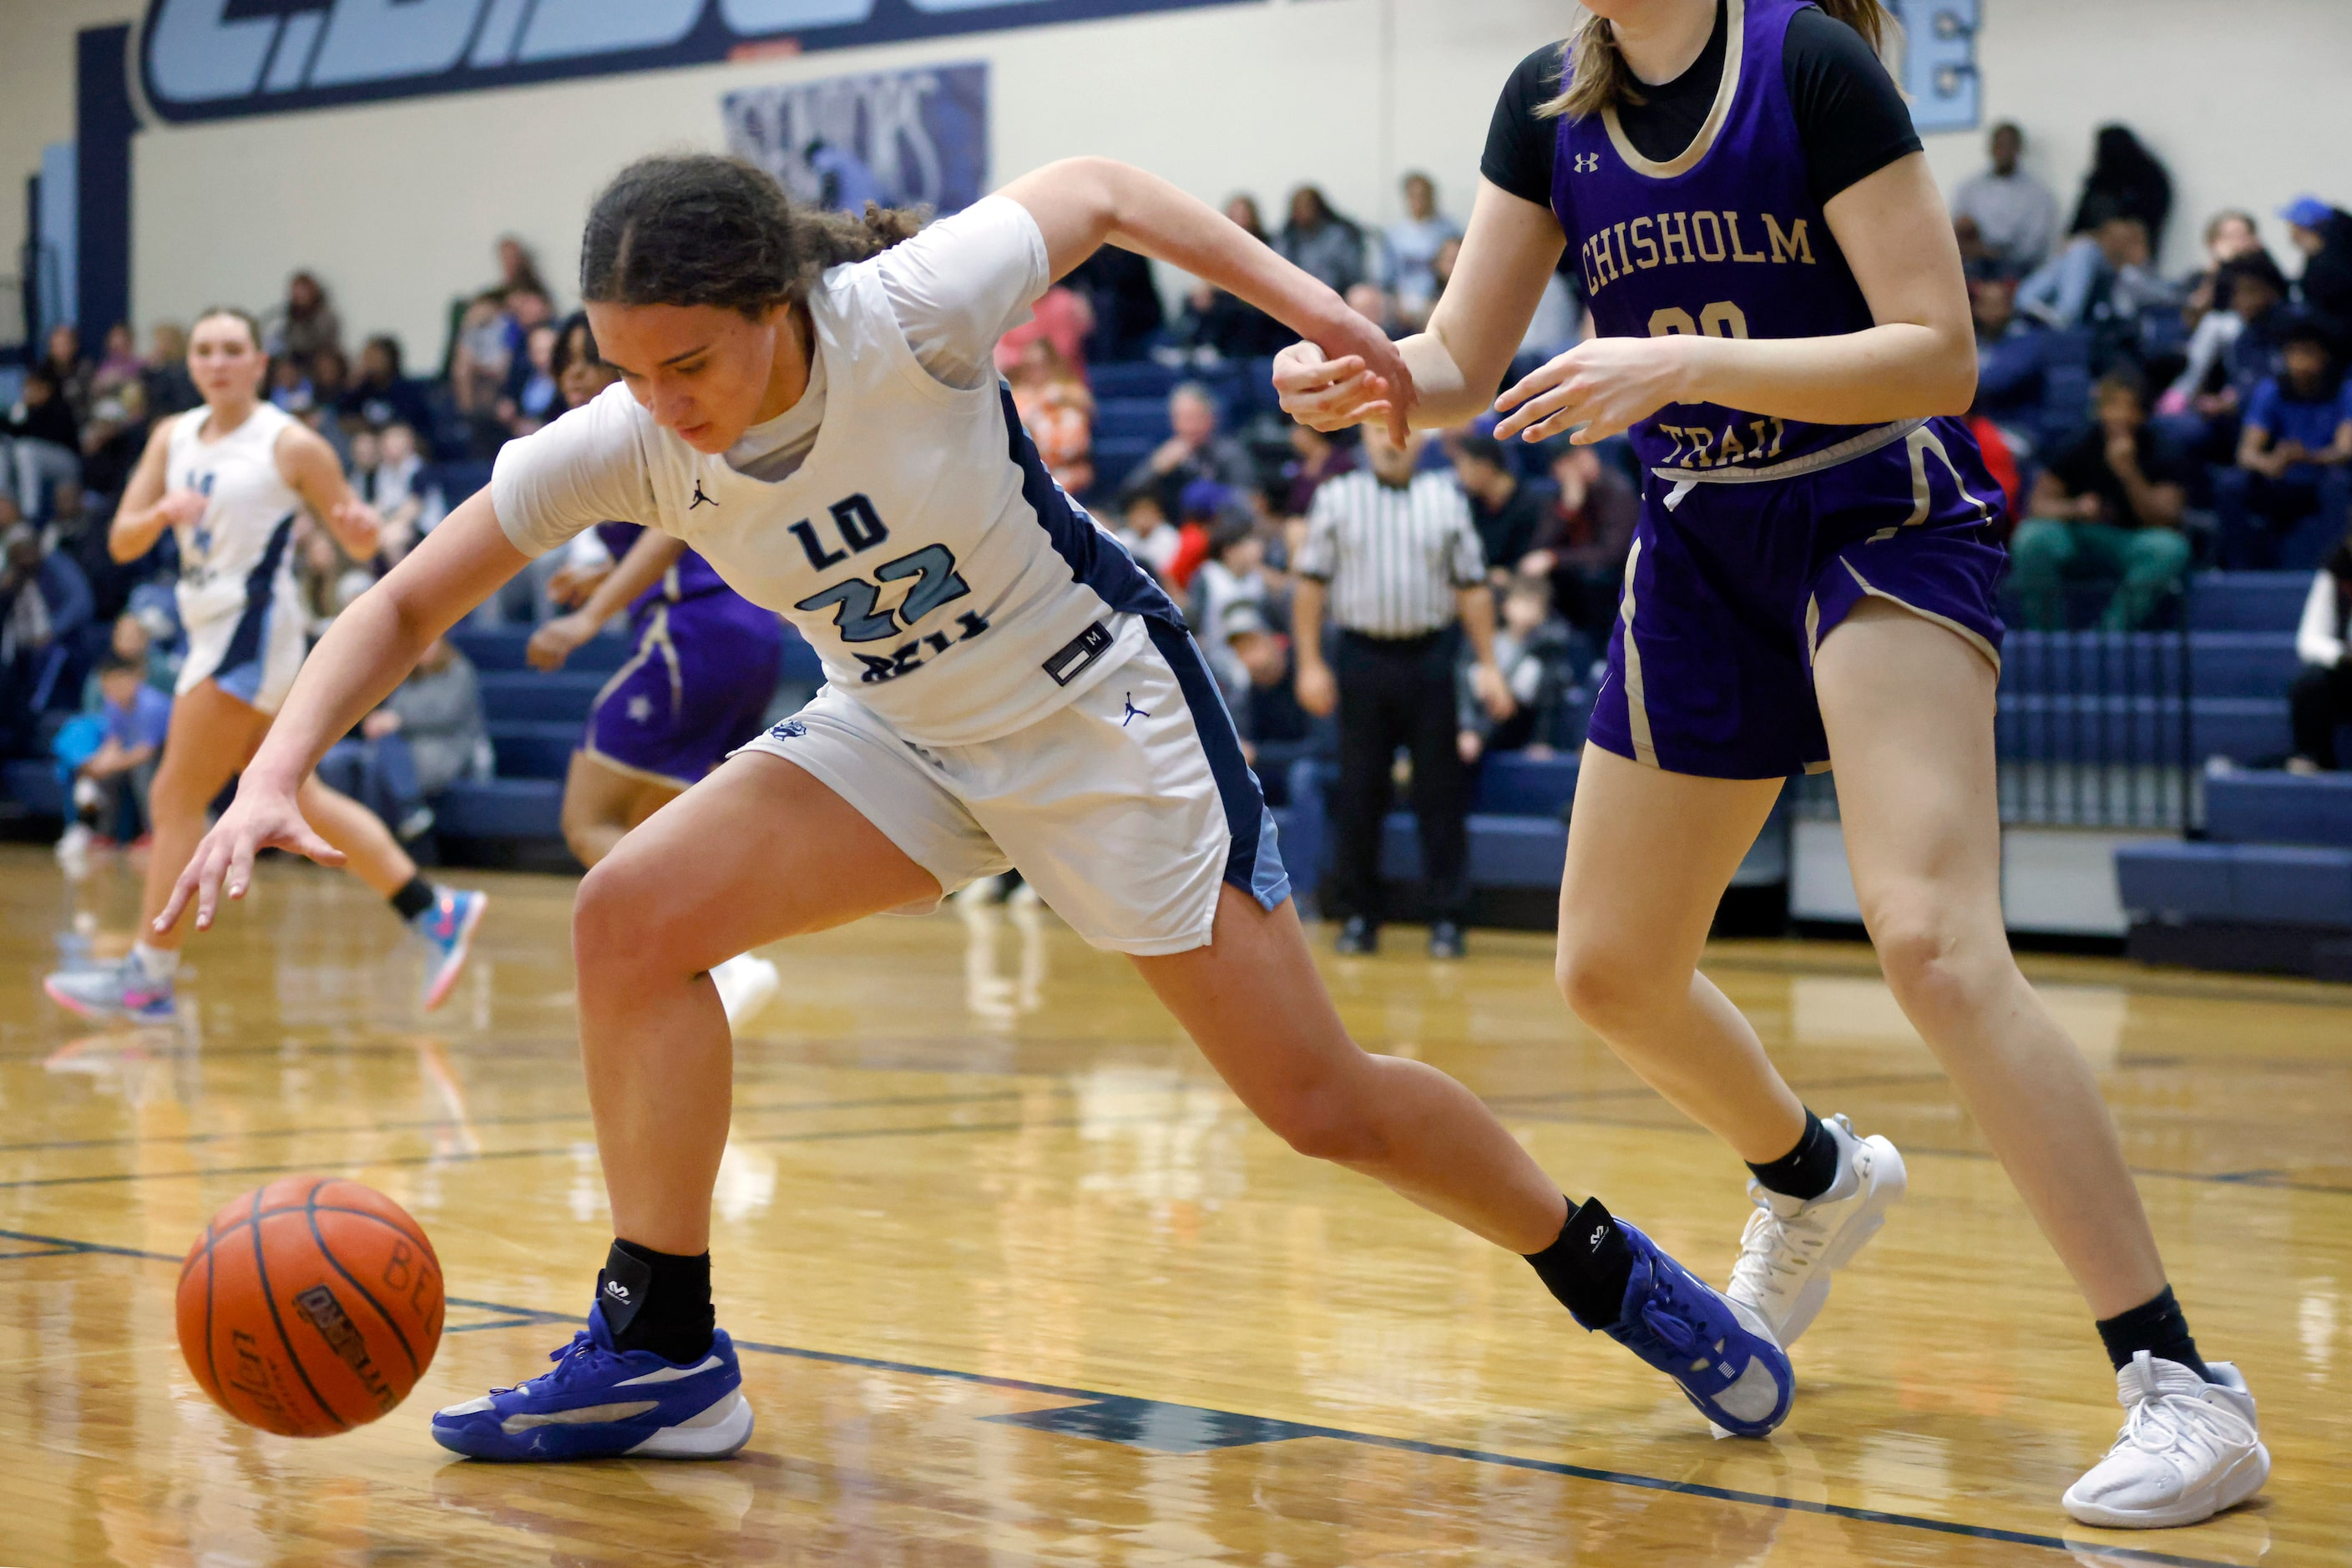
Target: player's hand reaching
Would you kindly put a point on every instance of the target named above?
(1603, 384)
(261, 817)
(1350, 373)
(356, 526)
(558, 640)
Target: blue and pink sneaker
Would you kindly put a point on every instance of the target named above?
(124, 989)
(447, 931)
(601, 1403)
(1722, 1354)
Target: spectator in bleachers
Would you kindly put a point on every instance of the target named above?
(394, 488)
(1411, 245)
(518, 269)
(484, 353)
(530, 398)
(381, 394)
(45, 601)
(1149, 536)
(2323, 234)
(1214, 326)
(2009, 365)
(1195, 451)
(1534, 649)
(2014, 214)
(69, 369)
(130, 638)
(2229, 234)
(44, 440)
(109, 754)
(1232, 573)
(2233, 349)
(1316, 456)
(331, 382)
(1125, 303)
(119, 368)
(2108, 507)
(1506, 511)
(1584, 536)
(290, 387)
(1057, 411)
(428, 734)
(1372, 303)
(1275, 731)
(2124, 179)
(1321, 243)
(2294, 447)
(170, 389)
(304, 323)
(113, 439)
(2320, 701)
(2102, 275)
(1064, 319)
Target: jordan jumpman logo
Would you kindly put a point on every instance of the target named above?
(700, 499)
(1132, 711)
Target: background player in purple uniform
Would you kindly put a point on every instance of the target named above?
(699, 680)
(1784, 336)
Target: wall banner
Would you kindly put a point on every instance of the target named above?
(221, 60)
(900, 138)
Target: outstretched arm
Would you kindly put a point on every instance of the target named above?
(370, 649)
(310, 465)
(1457, 365)
(1084, 204)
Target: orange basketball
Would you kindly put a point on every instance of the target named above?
(309, 1306)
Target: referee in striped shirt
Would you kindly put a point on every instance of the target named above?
(1393, 557)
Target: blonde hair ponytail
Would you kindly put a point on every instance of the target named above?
(1594, 75)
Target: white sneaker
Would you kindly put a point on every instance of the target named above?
(1792, 1245)
(2188, 1449)
(746, 984)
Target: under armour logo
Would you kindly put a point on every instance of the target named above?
(1587, 163)
(700, 499)
(1132, 711)
(615, 1289)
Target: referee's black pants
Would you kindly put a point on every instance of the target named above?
(1398, 692)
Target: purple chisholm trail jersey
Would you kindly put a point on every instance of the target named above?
(1726, 239)
(1758, 536)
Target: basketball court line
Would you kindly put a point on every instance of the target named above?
(1100, 1417)
(2265, 1179)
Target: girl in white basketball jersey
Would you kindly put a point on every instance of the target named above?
(810, 404)
(230, 479)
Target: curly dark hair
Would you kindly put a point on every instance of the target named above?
(699, 229)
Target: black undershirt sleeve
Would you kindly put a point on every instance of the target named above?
(1850, 115)
(1519, 145)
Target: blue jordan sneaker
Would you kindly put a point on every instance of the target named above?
(1721, 1352)
(601, 1403)
(447, 931)
(124, 989)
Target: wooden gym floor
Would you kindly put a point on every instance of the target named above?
(1018, 1282)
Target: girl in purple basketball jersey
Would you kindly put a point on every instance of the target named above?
(1783, 335)
(702, 669)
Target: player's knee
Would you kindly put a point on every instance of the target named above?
(616, 927)
(1604, 986)
(1323, 1121)
(1928, 952)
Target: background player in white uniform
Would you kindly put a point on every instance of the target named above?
(811, 406)
(231, 479)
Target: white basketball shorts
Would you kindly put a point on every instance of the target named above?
(1126, 810)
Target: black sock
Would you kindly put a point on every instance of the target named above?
(657, 1301)
(1807, 1170)
(1589, 1267)
(414, 898)
(2156, 1326)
